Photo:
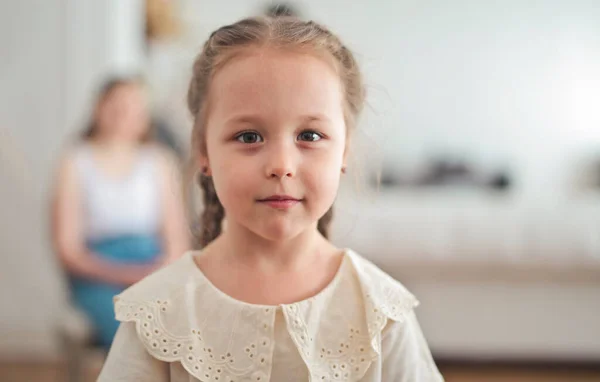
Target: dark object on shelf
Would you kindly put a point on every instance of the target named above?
(500, 182)
(387, 178)
(444, 173)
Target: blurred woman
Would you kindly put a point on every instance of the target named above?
(117, 211)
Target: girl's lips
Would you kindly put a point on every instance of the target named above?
(280, 202)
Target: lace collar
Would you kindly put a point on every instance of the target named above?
(181, 316)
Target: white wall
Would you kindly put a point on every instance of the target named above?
(32, 102)
(54, 53)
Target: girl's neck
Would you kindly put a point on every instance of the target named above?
(249, 250)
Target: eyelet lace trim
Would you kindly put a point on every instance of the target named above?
(352, 358)
(197, 357)
(384, 298)
(348, 362)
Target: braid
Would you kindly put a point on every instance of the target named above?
(213, 212)
(325, 222)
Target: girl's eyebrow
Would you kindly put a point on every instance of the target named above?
(315, 118)
(253, 118)
(243, 118)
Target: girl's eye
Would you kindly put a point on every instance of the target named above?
(249, 137)
(309, 136)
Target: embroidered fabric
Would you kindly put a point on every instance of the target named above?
(181, 317)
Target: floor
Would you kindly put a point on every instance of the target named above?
(520, 373)
(452, 373)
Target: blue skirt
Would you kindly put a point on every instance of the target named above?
(95, 298)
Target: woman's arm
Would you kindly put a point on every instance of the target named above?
(67, 234)
(129, 361)
(174, 229)
(406, 356)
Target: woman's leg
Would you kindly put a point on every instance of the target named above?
(96, 298)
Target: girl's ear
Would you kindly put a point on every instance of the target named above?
(204, 165)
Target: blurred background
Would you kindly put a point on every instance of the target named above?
(475, 182)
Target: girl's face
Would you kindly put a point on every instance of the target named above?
(275, 141)
(123, 115)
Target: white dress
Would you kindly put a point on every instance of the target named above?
(177, 326)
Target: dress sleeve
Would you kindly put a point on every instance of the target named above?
(405, 354)
(128, 360)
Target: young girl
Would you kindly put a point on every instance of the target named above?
(269, 298)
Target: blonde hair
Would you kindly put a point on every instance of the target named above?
(285, 33)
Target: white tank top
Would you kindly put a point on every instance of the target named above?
(119, 207)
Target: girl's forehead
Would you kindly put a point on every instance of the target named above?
(267, 80)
